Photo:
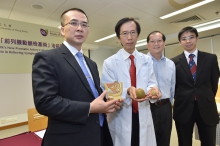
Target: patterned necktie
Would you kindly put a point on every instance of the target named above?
(192, 66)
(133, 82)
(90, 81)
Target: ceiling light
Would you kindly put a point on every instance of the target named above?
(36, 6)
(182, 1)
(141, 44)
(208, 25)
(141, 41)
(105, 38)
(186, 9)
(200, 27)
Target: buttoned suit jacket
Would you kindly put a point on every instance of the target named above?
(204, 88)
(61, 92)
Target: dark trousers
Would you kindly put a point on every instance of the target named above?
(106, 138)
(135, 129)
(162, 118)
(207, 134)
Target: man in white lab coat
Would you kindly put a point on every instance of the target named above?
(130, 127)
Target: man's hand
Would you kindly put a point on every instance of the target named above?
(100, 106)
(118, 102)
(157, 96)
(132, 93)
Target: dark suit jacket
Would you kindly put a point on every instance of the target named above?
(62, 93)
(204, 88)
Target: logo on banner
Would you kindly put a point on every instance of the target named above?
(44, 32)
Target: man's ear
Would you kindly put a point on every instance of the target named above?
(62, 31)
(119, 41)
(147, 45)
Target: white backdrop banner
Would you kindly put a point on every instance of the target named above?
(20, 41)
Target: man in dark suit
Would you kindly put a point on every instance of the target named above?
(196, 86)
(68, 97)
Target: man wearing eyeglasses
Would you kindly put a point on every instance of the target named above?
(66, 88)
(165, 73)
(132, 125)
(197, 75)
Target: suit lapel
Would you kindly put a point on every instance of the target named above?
(68, 56)
(200, 63)
(93, 71)
(185, 65)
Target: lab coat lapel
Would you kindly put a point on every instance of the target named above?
(139, 62)
(121, 64)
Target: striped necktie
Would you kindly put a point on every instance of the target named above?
(192, 66)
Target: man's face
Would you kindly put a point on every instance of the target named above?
(128, 36)
(156, 44)
(74, 30)
(188, 40)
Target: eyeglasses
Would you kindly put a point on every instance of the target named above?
(184, 39)
(154, 42)
(126, 33)
(76, 24)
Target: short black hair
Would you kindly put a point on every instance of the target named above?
(188, 29)
(153, 32)
(124, 20)
(71, 9)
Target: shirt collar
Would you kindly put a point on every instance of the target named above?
(72, 49)
(187, 53)
(162, 57)
(126, 55)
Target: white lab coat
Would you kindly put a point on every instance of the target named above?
(115, 69)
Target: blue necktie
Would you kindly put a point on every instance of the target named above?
(90, 81)
(192, 66)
